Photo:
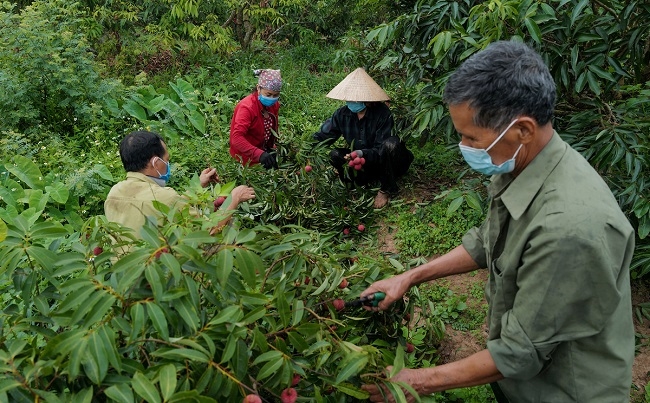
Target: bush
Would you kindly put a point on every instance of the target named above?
(47, 73)
(182, 315)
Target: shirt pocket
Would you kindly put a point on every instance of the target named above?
(504, 286)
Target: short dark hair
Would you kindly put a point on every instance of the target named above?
(137, 149)
(505, 80)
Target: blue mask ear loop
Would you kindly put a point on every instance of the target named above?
(503, 133)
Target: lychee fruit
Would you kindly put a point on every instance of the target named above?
(353, 155)
(351, 164)
(218, 202)
(252, 399)
(98, 250)
(344, 283)
(308, 168)
(296, 380)
(346, 231)
(358, 167)
(361, 227)
(289, 395)
(339, 304)
(161, 251)
(307, 280)
(410, 347)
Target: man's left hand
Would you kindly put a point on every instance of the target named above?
(408, 376)
(208, 175)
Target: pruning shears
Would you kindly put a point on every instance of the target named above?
(369, 300)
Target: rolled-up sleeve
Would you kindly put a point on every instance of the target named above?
(473, 243)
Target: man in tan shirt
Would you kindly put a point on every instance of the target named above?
(146, 160)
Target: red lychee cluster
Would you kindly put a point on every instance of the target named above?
(356, 161)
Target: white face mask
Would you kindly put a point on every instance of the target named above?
(479, 159)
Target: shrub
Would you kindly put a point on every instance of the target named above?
(182, 315)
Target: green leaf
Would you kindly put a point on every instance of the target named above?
(7, 385)
(268, 356)
(396, 392)
(137, 320)
(158, 320)
(197, 120)
(188, 313)
(85, 395)
(143, 387)
(282, 306)
(455, 205)
(269, 369)
(121, 393)
(58, 192)
(182, 354)
(602, 73)
(103, 172)
(352, 368)
(167, 381)
(577, 10)
(533, 30)
(129, 278)
(352, 390)
(398, 362)
(254, 315)
(26, 170)
(224, 264)
(229, 314)
(298, 311)
(3, 231)
(593, 83)
(134, 109)
(249, 265)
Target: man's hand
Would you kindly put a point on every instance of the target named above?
(241, 194)
(207, 176)
(394, 288)
(408, 376)
(268, 160)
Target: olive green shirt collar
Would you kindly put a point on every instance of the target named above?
(518, 192)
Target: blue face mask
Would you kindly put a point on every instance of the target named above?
(168, 174)
(479, 159)
(267, 101)
(355, 107)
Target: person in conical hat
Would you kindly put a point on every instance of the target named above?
(254, 122)
(373, 152)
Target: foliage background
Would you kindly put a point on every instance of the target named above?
(76, 77)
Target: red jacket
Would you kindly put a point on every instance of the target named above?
(247, 129)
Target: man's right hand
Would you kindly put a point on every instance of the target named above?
(268, 160)
(394, 288)
(242, 193)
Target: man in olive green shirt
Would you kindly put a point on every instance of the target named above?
(146, 159)
(555, 242)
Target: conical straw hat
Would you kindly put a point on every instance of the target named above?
(360, 87)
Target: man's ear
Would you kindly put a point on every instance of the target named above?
(528, 129)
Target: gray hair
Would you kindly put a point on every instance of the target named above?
(505, 80)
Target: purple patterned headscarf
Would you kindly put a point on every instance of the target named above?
(269, 79)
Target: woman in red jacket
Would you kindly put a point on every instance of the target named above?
(254, 123)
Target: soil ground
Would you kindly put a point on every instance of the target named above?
(460, 344)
